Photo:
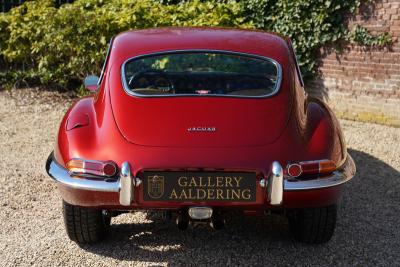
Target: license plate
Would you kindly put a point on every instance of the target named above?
(199, 186)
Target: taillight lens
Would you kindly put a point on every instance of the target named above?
(310, 167)
(101, 168)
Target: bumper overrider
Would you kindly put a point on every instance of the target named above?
(125, 185)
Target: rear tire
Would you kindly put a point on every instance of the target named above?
(85, 225)
(313, 225)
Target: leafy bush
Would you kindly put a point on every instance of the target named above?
(39, 42)
(63, 45)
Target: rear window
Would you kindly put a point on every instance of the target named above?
(202, 74)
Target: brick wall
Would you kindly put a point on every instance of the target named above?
(364, 84)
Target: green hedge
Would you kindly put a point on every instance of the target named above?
(43, 44)
(63, 45)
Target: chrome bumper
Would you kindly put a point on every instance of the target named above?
(338, 177)
(277, 184)
(125, 185)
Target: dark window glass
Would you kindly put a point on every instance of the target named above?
(201, 73)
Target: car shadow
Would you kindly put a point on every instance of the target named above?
(367, 232)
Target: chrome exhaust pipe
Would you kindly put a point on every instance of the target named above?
(200, 213)
(217, 223)
(182, 222)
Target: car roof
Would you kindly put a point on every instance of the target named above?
(140, 42)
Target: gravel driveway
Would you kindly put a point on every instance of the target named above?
(32, 230)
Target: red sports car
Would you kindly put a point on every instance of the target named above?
(198, 123)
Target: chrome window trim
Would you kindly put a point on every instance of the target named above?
(273, 61)
(103, 69)
(298, 69)
(299, 75)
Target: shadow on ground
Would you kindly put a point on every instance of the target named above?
(367, 232)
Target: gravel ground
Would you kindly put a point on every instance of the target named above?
(32, 230)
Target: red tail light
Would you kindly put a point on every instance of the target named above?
(101, 168)
(310, 167)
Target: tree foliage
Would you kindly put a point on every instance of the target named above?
(60, 45)
(47, 44)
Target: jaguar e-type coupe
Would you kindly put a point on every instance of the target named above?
(199, 124)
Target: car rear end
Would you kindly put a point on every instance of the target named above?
(202, 132)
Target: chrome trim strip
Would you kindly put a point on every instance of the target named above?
(275, 184)
(103, 69)
(275, 91)
(342, 175)
(63, 177)
(300, 76)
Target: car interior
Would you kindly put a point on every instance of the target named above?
(157, 82)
